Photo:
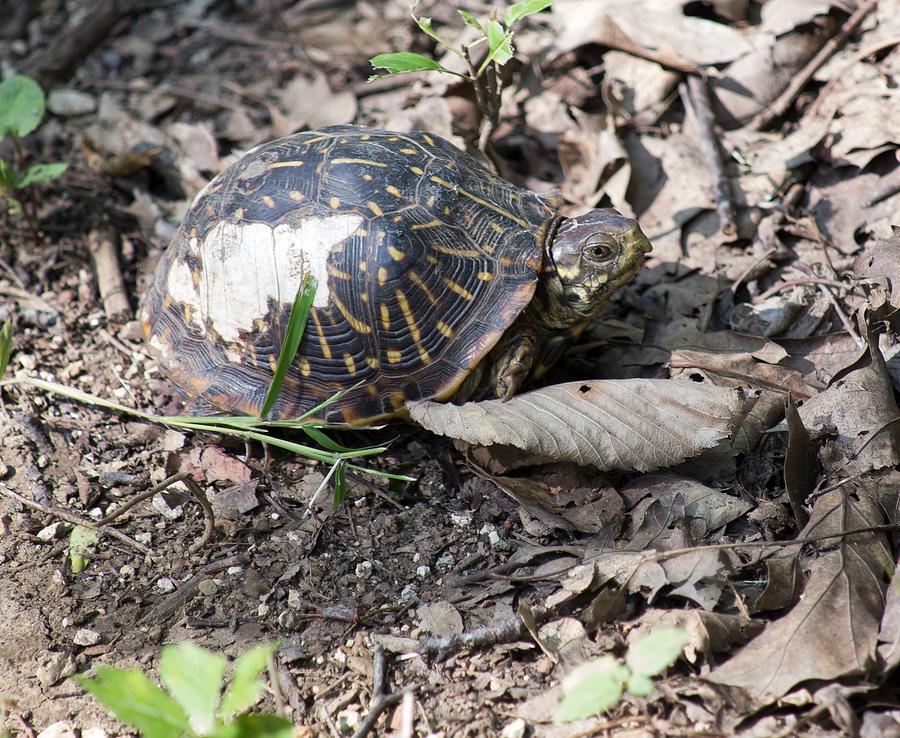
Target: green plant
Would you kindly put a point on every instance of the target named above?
(193, 702)
(244, 427)
(598, 685)
(21, 112)
(494, 35)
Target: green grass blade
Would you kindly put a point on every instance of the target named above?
(340, 484)
(303, 302)
(5, 347)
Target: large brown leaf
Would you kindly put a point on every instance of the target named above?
(638, 424)
(832, 632)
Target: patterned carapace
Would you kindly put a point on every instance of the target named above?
(423, 258)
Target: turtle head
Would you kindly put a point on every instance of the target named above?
(594, 254)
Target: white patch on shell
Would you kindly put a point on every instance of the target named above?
(245, 265)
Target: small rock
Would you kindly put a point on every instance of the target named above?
(66, 103)
(165, 584)
(445, 562)
(461, 519)
(159, 504)
(515, 729)
(93, 733)
(423, 571)
(364, 570)
(441, 619)
(62, 729)
(127, 570)
(208, 587)
(51, 532)
(408, 594)
(348, 720)
(86, 637)
(57, 667)
(294, 599)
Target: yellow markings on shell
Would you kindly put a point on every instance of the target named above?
(431, 259)
(285, 164)
(368, 177)
(396, 254)
(391, 190)
(373, 363)
(268, 201)
(430, 224)
(385, 317)
(408, 151)
(364, 296)
(383, 276)
(350, 363)
(394, 138)
(239, 213)
(168, 302)
(457, 288)
(304, 367)
(408, 315)
(485, 276)
(358, 325)
(496, 227)
(431, 201)
(601, 278)
(467, 253)
(428, 139)
(373, 206)
(334, 203)
(417, 281)
(481, 201)
(362, 232)
(417, 170)
(193, 233)
(397, 398)
(348, 160)
(445, 329)
(365, 137)
(188, 313)
(505, 262)
(362, 266)
(333, 271)
(315, 140)
(397, 218)
(296, 196)
(326, 349)
(273, 363)
(394, 356)
(488, 249)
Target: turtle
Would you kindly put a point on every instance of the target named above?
(436, 279)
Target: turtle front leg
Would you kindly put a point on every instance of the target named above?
(514, 363)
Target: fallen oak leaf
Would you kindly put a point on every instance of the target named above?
(640, 424)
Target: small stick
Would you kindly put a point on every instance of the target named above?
(381, 704)
(775, 110)
(781, 286)
(75, 520)
(885, 43)
(696, 95)
(102, 243)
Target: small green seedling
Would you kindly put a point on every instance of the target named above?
(21, 112)
(193, 703)
(598, 685)
(494, 35)
(82, 542)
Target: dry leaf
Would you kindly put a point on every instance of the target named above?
(832, 632)
(638, 424)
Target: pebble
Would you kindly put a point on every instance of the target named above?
(364, 570)
(50, 532)
(65, 102)
(62, 729)
(208, 587)
(165, 584)
(423, 571)
(515, 729)
(86, 637)
(294, 599)
(461, 519)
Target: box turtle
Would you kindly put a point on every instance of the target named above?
(436, 279)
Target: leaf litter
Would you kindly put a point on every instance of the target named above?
(763, 363)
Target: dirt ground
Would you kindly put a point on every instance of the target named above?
(787, 287)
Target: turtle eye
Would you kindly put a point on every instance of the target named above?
(598, 251)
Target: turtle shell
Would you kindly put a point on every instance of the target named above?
(423, 259)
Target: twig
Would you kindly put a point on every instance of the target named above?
(382, 704)
(209, 519)
(752, 268)
(102, 243)
(163, 610)
(185, 93)
(781, 286)
(696, 95)
(779, 106)
(70, 517)
(885, 43)
(407, 716)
